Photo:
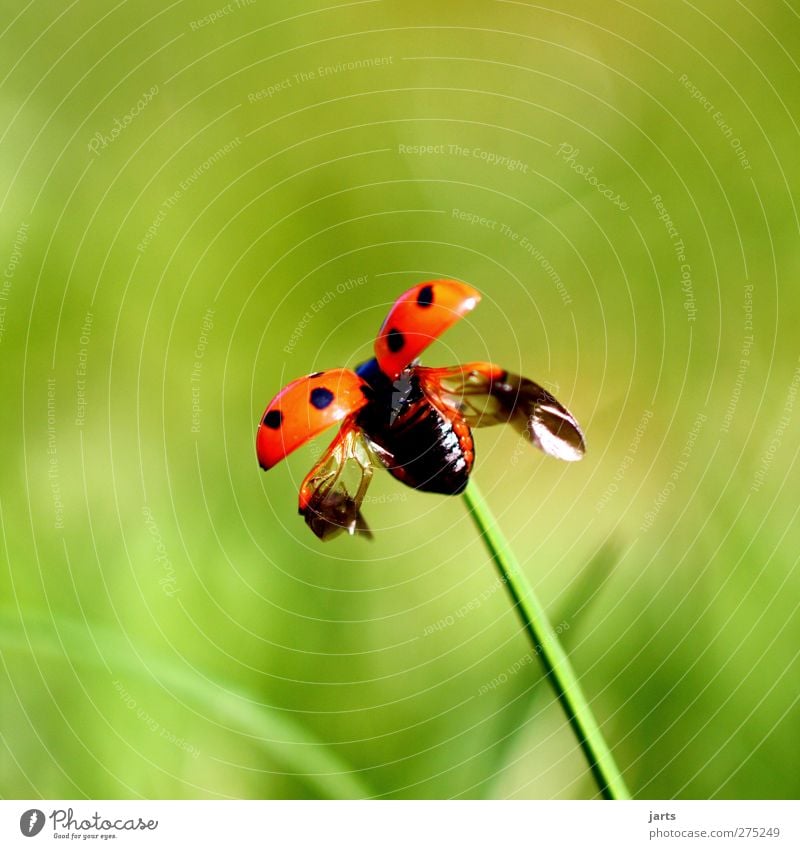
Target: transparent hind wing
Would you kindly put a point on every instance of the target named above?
(486, 394)
(333, 491)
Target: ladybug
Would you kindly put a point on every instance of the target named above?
(416, 422)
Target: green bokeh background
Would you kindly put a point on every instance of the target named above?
(169, 627)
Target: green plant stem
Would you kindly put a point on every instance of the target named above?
(547, 647)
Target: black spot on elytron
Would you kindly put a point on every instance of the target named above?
(395, 340)
(317, 374)
(321, 397)
(273, 419)
(425, 296)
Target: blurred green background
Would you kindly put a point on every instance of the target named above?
(182, 184)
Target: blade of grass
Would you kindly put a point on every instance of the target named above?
(520, 708)
(557, 667)
(283, 740)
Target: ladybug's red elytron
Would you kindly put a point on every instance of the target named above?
(414, 421)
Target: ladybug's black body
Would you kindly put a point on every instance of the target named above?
(420, 444)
